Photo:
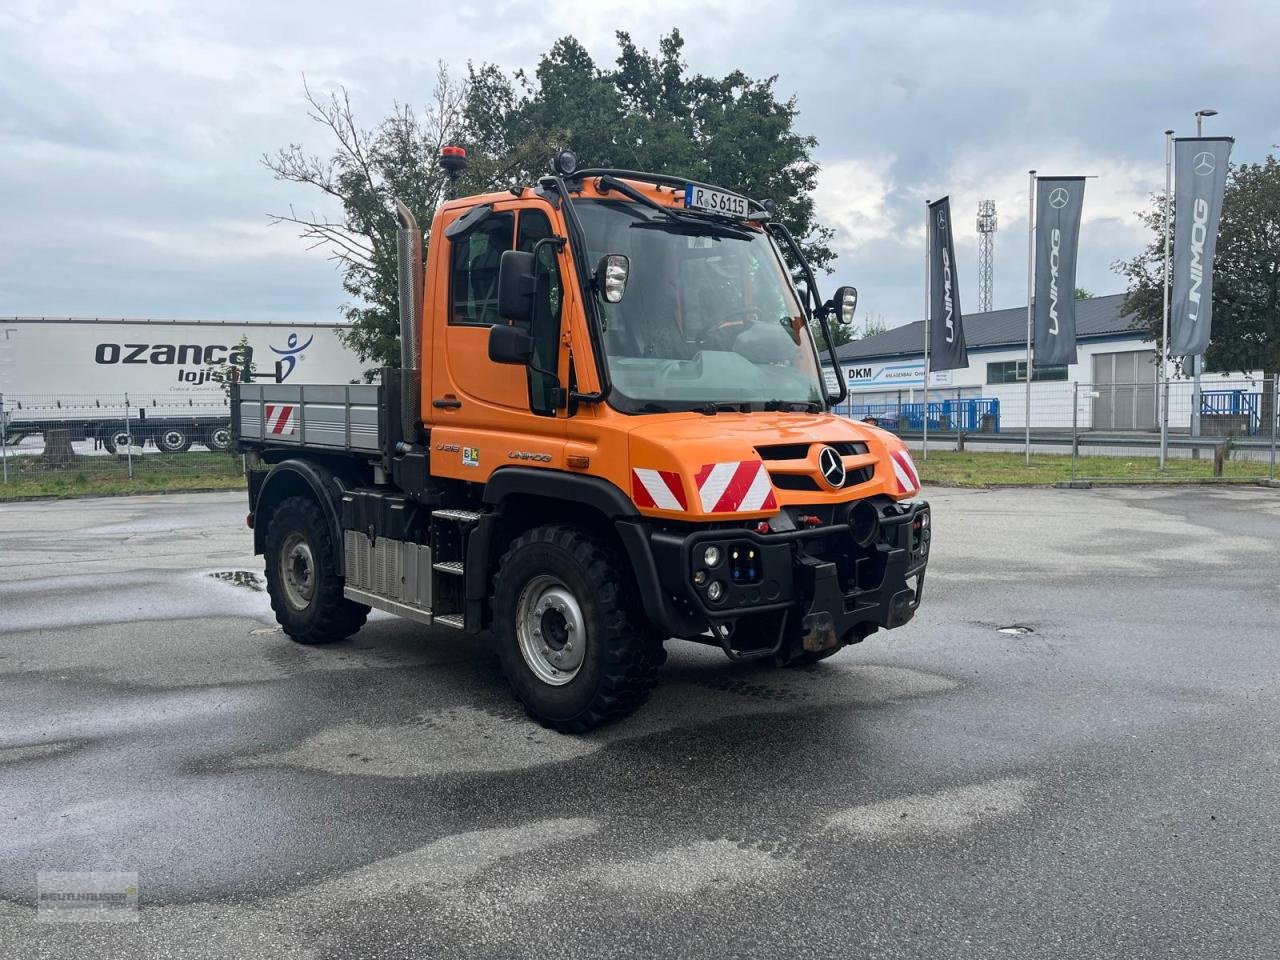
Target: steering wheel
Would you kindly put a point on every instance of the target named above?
(729, 327)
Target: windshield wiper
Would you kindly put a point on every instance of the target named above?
(711, 409)
(792, 406)
(687, 226)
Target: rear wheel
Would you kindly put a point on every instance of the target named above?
(117, 439)
(173, 440)
(570, 637)
(302, 576)
(219, 439)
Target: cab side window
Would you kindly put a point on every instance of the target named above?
(473, 270)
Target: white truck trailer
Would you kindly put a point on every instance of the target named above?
(74, 374)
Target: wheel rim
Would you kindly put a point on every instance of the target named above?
(221, 438)
(173, 439)
(551, 630)
(121, 440)
(298, 571)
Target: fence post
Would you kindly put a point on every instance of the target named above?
(4, 443)
(128, 436)
(1075, 425)
(1275, 416)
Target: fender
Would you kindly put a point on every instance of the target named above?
(507, 482)
(592, 492)
(288, 478)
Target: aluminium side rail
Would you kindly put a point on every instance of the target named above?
(326, 416)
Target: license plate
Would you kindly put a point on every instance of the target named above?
(714, 201)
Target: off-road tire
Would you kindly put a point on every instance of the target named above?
(622, 653)
(328, 616)
(172, 440)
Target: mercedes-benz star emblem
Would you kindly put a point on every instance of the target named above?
(832, 466)
(1203, 164)
(1058, 198)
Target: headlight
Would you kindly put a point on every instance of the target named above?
(700, 577)
(711, 556)
(715, 591)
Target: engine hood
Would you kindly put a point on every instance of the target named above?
(747, 465)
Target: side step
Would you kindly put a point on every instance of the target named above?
(408, 611)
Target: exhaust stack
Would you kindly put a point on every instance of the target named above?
(409, 259)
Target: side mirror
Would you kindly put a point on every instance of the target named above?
(516, 284)
(844, 304)
(611, 276)
(509, 344)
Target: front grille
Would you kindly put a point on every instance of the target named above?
(794, 481)
(783, 451)
(799, 451)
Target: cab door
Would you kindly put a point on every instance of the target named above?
(479, 404)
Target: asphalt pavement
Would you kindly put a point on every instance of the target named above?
(1071, 752)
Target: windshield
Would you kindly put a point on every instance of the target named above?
(709, 316)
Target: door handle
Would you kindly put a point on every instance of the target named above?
(447, 403)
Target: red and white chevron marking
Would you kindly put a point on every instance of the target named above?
(281, 418)
(660, 489)
(740, 486)
(905, 470)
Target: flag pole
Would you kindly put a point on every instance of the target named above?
(1031, 268)
(1164, 302)
(925, 451)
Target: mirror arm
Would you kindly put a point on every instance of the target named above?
(818, 310)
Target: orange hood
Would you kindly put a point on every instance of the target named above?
(743, 466)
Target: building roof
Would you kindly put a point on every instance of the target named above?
(1095, 317)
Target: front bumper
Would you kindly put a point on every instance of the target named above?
(832, 588)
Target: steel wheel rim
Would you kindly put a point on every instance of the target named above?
(121, 440)
(173, 438)
(298, 571)
(221, 438)
(551, 630)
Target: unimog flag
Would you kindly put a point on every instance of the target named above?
(946, 332)
(1200, 177)
(1059, 201)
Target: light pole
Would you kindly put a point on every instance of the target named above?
(1198, 361)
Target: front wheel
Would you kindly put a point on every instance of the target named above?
(302, 576)
(569, 634)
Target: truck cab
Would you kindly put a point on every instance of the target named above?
(610, 428)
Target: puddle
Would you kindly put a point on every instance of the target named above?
(1015, 630)
(266, 631)
(241, 578)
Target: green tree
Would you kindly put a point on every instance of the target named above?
(645, 112)
(1246, 275)
(367, 169)
(1083, 294)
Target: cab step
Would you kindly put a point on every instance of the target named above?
(452, 567)
(454, 620)
(461, 516)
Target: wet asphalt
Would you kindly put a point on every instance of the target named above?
(1104, 785)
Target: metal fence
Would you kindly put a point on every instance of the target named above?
(1223, 428)
(65, 443)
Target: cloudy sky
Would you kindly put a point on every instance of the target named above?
(131, 130)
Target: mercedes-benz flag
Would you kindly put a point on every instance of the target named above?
(1059, 201)
(946, 332)
(1200, 177)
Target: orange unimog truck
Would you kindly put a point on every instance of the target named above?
(610, 428)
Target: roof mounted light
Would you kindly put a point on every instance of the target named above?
(564, 163)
